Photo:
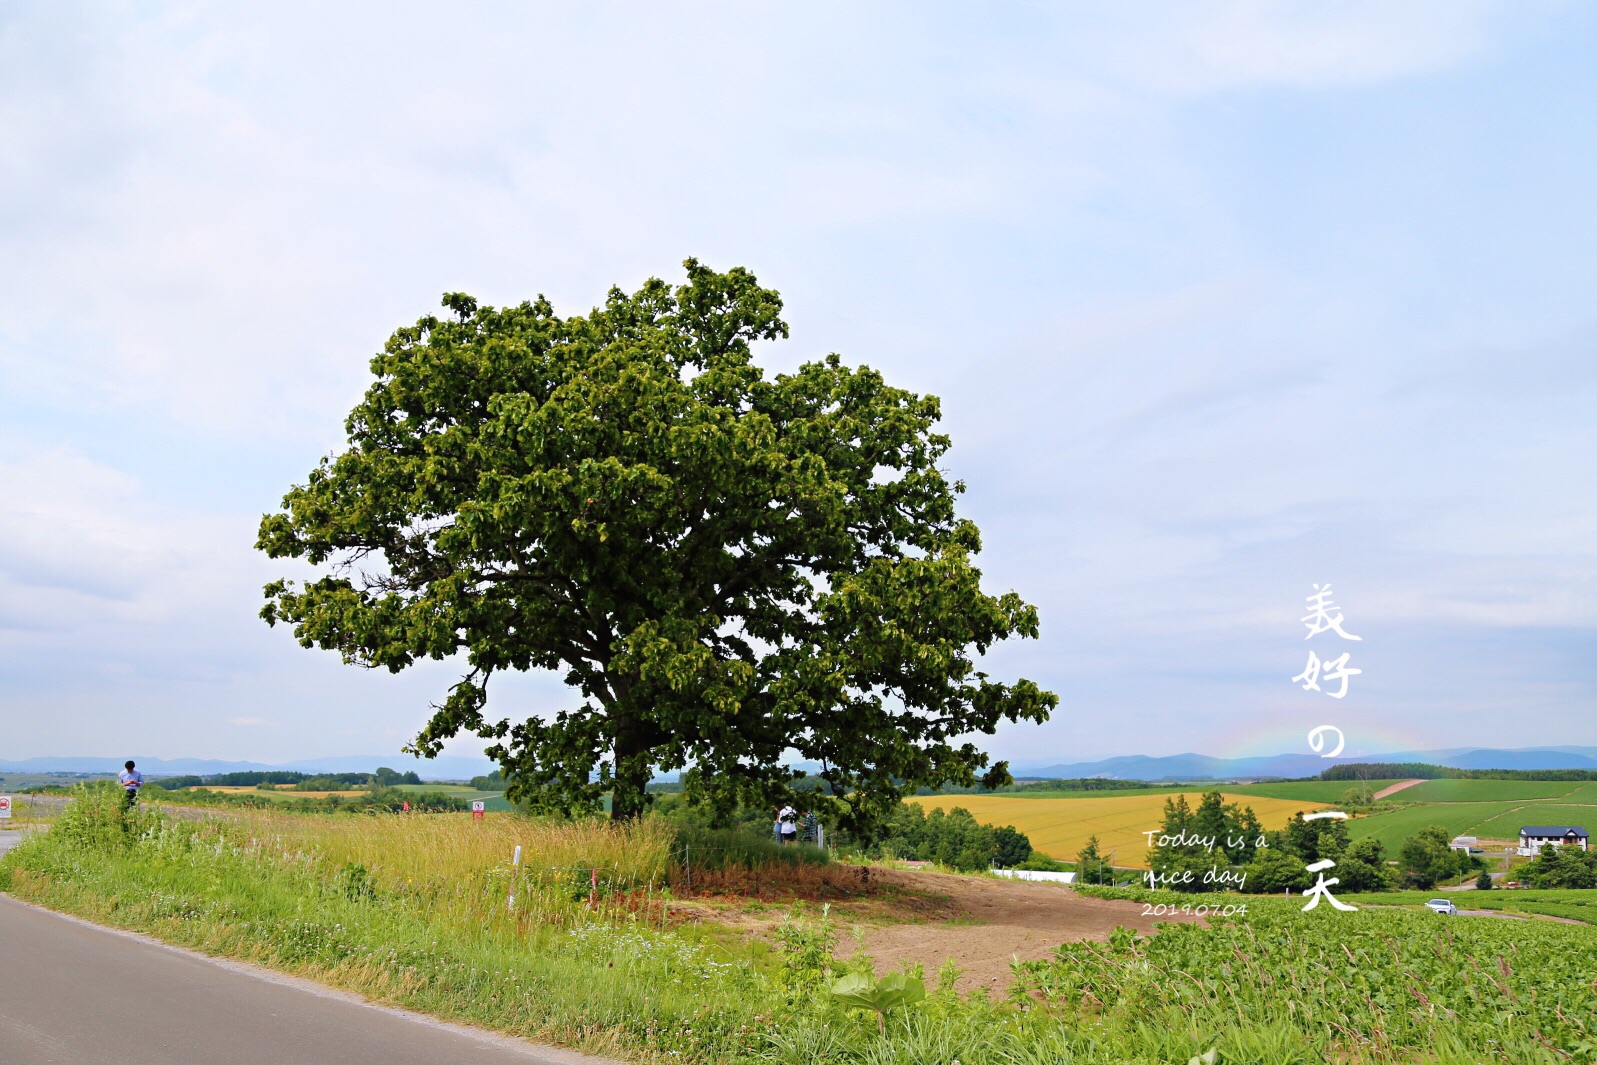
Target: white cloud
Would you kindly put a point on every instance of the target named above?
(1211, 47)
(222, 215)
(84, 546)
(210, 217)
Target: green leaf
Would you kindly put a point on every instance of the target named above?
(862, 991)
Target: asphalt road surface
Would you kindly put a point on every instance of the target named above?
(72, 992)
(10, 838)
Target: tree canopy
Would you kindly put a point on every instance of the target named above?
(726, 567)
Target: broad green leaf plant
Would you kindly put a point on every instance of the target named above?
(726, 567)
(881, 997)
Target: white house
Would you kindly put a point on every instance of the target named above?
(1465, 843)
(1532, 838)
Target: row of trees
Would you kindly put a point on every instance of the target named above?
(955, 839)
(383, 778)
(1219, 845)
(1426, 771)
(1561, 867)
(287, 778)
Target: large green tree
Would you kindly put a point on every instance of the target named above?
(726, 567)
(1426, 859)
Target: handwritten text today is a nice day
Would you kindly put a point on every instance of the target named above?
(1214, 875)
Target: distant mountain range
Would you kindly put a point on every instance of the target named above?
(444, 767)
(1184, 767)
(1175, 767)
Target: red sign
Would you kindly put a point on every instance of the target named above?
(476, 809)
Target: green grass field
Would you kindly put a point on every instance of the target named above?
(1573, 904)
(1508, 823)
(1496, 814)
(1395, 826)
(1306, 790)
(1486, 790)
(412, 911)
(493, 801)
(1586, 794)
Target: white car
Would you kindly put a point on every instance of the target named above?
(1442, 906)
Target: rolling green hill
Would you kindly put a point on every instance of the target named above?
(1586, 795)
(1306, 790)
(1506, 825)
(1459, 819)
(1487, 790)
(1490, 809)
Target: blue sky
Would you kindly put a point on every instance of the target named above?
(1222, 300)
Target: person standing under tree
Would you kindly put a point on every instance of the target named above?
(131, 779)
(787, 824)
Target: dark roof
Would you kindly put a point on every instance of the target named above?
(1552, 830)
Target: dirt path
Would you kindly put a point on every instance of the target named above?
(990, 922)
(1393, 789)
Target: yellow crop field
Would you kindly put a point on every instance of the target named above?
(1059, 827)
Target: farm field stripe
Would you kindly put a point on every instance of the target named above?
(1395, 788)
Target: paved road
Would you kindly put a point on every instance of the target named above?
(10, 838)
(72, 992)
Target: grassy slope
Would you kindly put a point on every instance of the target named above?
(1587, 794)
(1395, 826)
(1491, 809)
(1507, 824)
(1486, 790)
(428, 929)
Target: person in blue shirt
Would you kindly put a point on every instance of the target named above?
(131, 779)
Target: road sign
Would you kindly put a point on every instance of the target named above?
(5, 806)
(476, 809)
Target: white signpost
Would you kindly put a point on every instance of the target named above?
(5, 806)
(476, 809)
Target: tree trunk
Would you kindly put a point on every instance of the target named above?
(631, 794)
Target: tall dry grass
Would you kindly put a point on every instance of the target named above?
(401, 847)
(462, 869)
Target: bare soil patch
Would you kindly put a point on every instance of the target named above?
(908, 916)
(1393, 789)
(758, 900)
(997, 921)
